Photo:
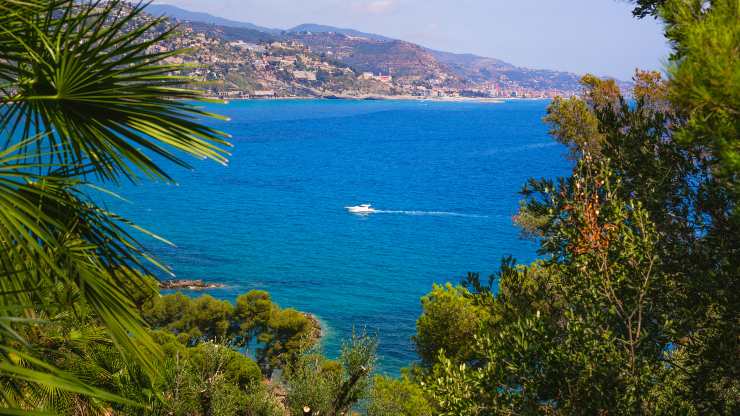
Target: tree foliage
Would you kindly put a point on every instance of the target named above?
(634, 307)
(644, 8)
(328, 387)
(278, 335)
(194, 378)
(398, 397)
(449, 320)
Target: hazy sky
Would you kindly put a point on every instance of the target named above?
(597, 36)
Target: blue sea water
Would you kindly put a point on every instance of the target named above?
(446, 176)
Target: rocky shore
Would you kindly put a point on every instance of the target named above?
(189, 285)
(318, 330)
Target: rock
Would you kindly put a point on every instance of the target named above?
(189, 285)
(318, 330)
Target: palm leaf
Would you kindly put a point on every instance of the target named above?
(84, 76)
(81, 94)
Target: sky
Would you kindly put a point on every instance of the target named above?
(594, 36)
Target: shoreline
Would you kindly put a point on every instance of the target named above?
(481, 100)
(189, 284)
(318, 332)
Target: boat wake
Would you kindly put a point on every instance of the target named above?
(429, 213)
(367, 209)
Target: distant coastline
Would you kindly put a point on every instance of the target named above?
(380, 98)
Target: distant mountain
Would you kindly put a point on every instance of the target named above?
(232, 33)
(315, 28)
(473, 67)
(169, 10)
(182, 14)
(480, 69)
(462, 58)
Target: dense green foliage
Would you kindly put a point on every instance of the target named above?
(212, 379)
(644, 8)
(207, 377)
(280, 335)
(635, 307)
(398, 397)
(328, 387)
(205, 370)
(449, 320)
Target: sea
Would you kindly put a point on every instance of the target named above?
(444, 176)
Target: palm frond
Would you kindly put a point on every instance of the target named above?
(85, 75)
(81, 94)
(41, 373)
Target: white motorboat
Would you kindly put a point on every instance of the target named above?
(361, 209)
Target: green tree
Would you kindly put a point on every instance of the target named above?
(192, 319)
(211, 379)
(222, 378)
(287, 335)
(398, 397)
(591, 337)
(634, 309)
(281, 335)
(646, 8)
(704, 77)
(253, 311)
(449, 320)
(329, 387)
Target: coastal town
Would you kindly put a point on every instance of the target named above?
(233, 64)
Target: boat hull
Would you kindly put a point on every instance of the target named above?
(360, 209)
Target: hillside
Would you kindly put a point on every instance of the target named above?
(400, 59)
(316, 60)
